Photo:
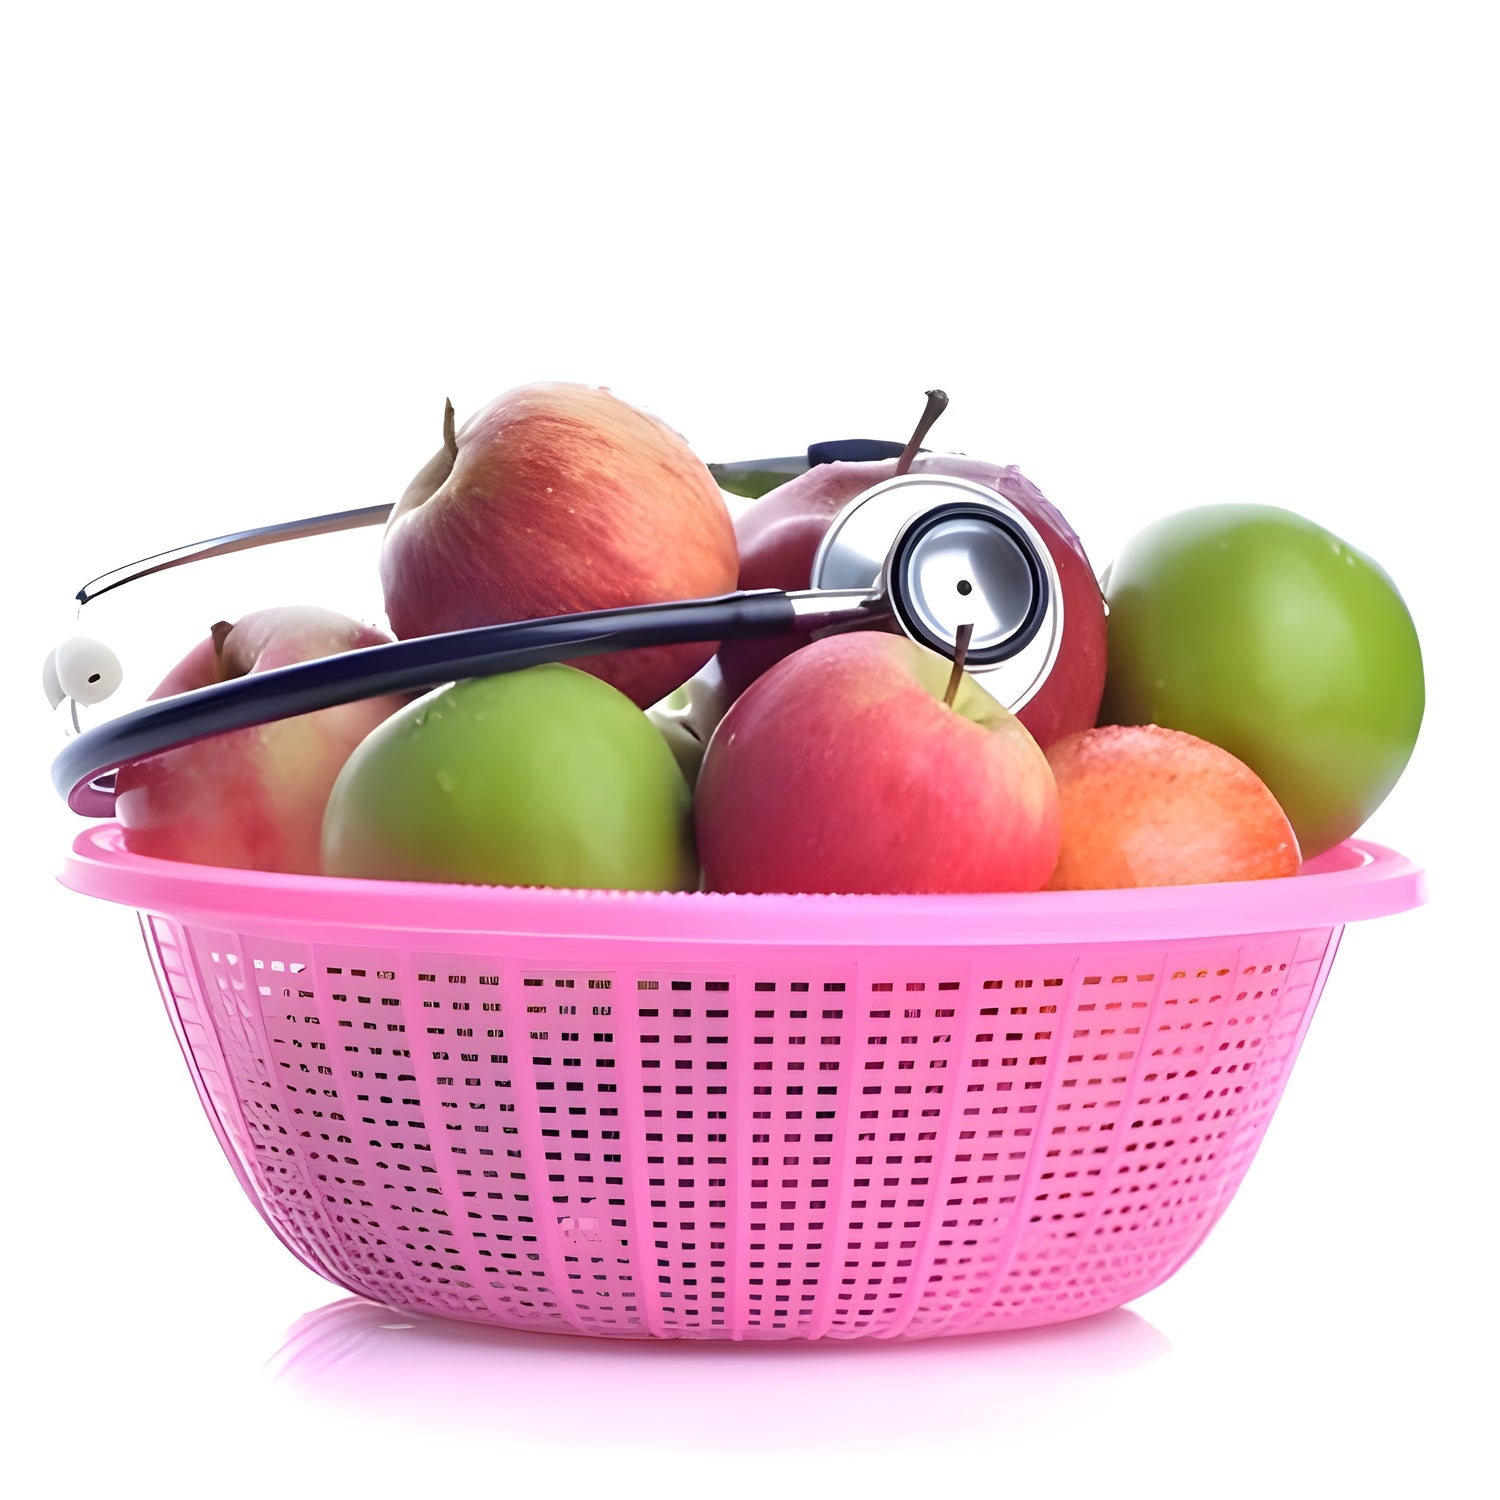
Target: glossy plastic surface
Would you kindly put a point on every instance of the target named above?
(720, 1117)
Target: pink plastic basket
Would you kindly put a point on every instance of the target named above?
(740, 1117)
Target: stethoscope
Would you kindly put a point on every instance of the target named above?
(949, 563)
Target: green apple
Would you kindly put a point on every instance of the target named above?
(546, 777)
(1258, 630)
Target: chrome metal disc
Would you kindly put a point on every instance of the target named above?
(948, 552)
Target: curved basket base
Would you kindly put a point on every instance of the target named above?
(740, 1144)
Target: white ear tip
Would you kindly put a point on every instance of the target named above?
(50, 685)
(87, 670)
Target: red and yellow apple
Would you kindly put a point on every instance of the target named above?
(1147, 806)
(251, 798)
(844, 769)
(556, 499)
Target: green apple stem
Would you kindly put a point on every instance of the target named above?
(936, 402)
(960, 650)
(450, 437)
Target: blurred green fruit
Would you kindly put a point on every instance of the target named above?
(688, 716)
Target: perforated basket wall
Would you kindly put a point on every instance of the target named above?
(640, 1119)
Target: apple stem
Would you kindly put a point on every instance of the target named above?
(961, 640)
(936, 402)
(450, 438)
(219, 633)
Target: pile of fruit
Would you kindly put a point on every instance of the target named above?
(1237, 694)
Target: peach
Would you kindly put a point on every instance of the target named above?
(1147, 806)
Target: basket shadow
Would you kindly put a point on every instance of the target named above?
(357, 1357)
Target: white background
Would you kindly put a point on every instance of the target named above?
(1157, 255)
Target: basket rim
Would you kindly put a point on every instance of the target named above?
(1357, 880)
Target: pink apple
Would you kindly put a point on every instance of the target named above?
(779, 534)
(559, 498)
(252, 798)
(843, 769)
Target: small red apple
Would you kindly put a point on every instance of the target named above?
(779, 535)
(554, 499)
(844, 769)
(1147, 806)
(251, 799)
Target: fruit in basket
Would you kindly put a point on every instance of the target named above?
(545, 777)
(1147, 806)
(779, 534)
(1257, 629)
(556, 499)
(252, 798)
(844, 769)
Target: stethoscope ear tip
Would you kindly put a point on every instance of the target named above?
(83, 669)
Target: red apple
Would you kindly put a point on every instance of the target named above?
(1147, 806)
(844, 769)
(253, 798)
(779, 534)
(560, 498)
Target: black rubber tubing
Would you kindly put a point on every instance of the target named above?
(83, 772)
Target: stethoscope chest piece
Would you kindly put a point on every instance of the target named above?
(945, 552)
